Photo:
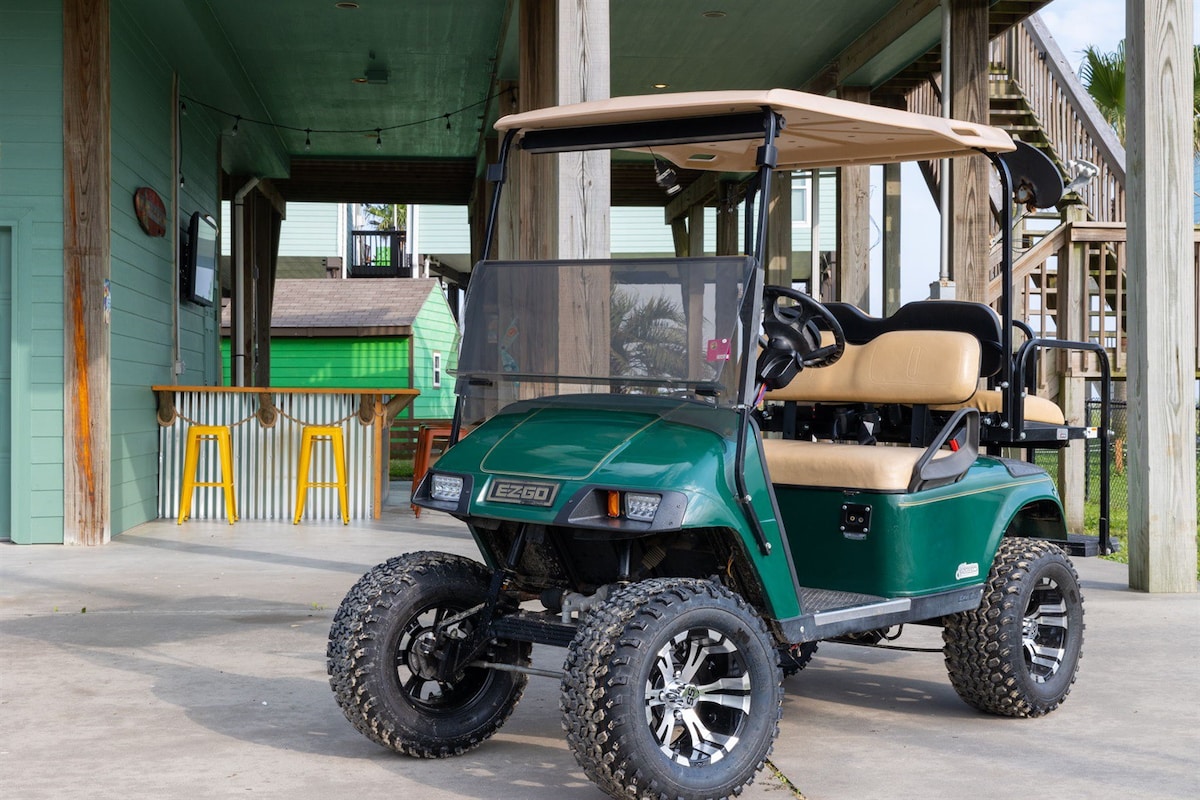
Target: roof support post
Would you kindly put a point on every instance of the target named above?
(891, 238)
(1162, 423)
(779, 236)
(853, 284)
(87, 180)
(1071, 323)
(970, 234)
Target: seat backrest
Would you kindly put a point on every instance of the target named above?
(904, 366)
(976, 319)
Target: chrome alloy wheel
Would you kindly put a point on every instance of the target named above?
(697, 697)
(1044, 630)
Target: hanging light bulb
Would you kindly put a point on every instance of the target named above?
(378, 139)
(307, 139)
(236, 122)
(447, 116)
(183, 108)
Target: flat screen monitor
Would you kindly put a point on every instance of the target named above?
(200, 261)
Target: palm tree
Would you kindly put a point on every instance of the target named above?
(648, 337)
(1104, 76)
(387, 216)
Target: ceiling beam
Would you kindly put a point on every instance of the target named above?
(882, 34)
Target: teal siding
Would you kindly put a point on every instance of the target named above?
(143, 267)
(434, 331)
(443, 230)
(31, 212)
(6, 259)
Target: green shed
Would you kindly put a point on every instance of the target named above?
(368, 333)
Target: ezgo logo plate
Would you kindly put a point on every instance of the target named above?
(523, 493)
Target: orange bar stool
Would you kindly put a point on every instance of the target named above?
(310, 436)
(195, 436)
(424, 455)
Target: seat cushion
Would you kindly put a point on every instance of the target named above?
(991, 401)
(842, 466)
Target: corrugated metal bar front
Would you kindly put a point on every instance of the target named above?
(266, 461)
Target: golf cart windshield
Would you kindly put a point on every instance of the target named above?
(653, 327)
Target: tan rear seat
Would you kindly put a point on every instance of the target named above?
(991, 401)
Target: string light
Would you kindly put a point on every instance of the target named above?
(308, 132)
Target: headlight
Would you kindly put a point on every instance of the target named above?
(447, 488)
(641, 507)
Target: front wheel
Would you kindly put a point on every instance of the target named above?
(1018, 653)
(672, 689)
(383, 670)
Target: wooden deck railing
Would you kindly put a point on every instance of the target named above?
(1096, 250)
(1066, 113)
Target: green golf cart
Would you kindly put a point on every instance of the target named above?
(688, 479)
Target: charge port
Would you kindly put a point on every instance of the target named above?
(856, 520)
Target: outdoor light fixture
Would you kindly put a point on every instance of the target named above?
(1082, 173)
(666, 178)
(345, 5)
(661, 85)
(378, 139)
(307, 139)
(236, 122)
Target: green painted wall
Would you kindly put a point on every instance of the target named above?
(143, 267)
(434, 331)
(31, 210)
(375, 363)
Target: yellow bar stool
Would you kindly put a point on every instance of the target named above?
(310, 436)
(196, 435)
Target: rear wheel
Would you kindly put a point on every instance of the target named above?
(672, 689)
(381, 664)
(1018, 653)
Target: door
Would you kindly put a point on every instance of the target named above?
(6, 283)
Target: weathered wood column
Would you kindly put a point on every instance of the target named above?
(1071, 323)
(564, 200)
(970, 232)
(1162, 423)
(87, 180)
(854, 215)
(891, 239)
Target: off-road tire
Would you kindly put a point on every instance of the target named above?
(379, 683)
(1017, 655)
(613, 691)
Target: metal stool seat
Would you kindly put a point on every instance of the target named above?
(195, 435)
(310, 436)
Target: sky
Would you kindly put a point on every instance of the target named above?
(1074, 24)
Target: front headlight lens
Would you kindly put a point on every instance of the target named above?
(447, 488)
(642, 507)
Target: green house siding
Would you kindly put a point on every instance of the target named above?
(434, 331)
(31, 219)
(335, 361)
(143, 267)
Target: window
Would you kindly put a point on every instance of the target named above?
(437, 370)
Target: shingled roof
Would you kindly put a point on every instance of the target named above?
(358, 307)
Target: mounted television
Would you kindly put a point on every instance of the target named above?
(199, 270)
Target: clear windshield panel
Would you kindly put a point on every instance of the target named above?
(651, 327)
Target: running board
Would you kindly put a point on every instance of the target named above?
(831, 614)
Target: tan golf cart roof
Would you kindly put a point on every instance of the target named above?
(818, 131)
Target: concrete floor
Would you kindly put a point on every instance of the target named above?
(189, 662)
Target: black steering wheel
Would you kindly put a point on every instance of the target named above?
(792, 339)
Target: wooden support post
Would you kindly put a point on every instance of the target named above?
(583, 178)
(891, 239)
(970, 232)
(1162, 422)
(854, 231)
(87, 432)
(537, 217)
(1071, 323)
(779, 231)
(727, 219)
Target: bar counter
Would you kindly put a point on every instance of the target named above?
(266, 425)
